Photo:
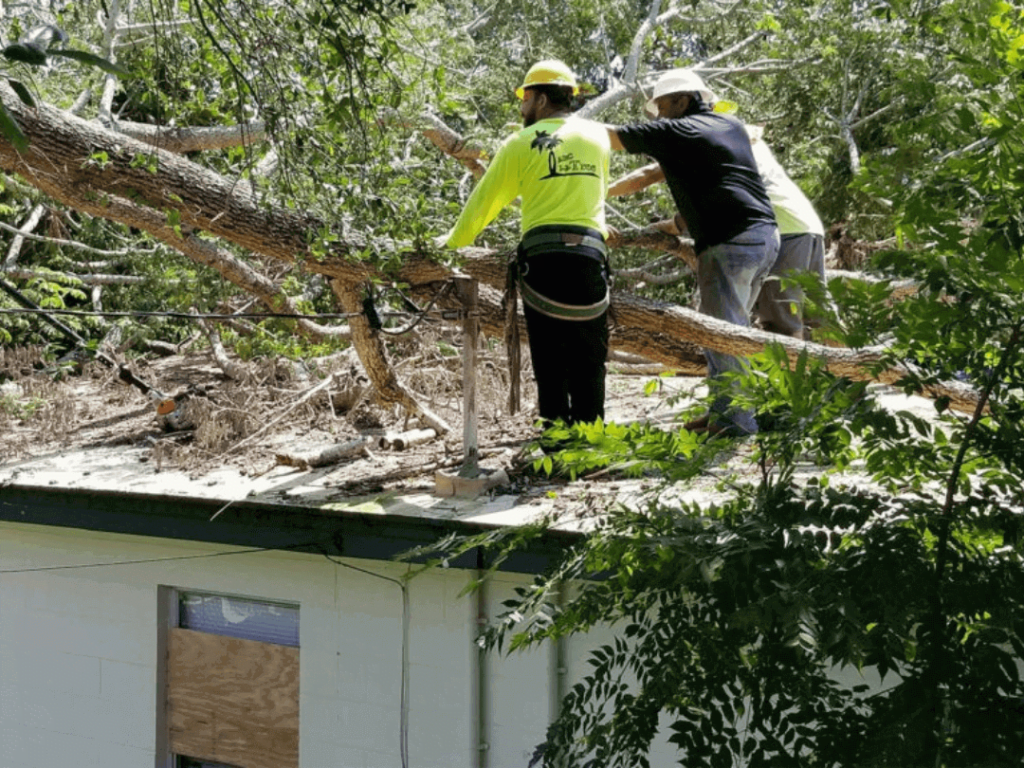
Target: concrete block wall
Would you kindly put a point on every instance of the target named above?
(79, 668)
(518, 696)
(77, 657)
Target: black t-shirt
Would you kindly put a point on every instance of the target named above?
(710, 170)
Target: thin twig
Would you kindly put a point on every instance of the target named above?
(310, 394)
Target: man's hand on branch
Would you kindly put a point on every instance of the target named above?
(673, 226)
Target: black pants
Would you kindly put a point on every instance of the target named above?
(568, 355)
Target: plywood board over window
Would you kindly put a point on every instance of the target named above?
(233, 701)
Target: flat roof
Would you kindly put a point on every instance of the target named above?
(121, 489)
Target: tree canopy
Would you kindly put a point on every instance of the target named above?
(198, 153)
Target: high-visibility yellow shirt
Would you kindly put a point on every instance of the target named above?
(793, 211)
(559, 167)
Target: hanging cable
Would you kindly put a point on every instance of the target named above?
(444, 314)
(445, 289)
(37, 569)
(369, 310)
(403, 726)
(373, 316)
(123, 372)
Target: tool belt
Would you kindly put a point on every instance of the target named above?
(561, 240)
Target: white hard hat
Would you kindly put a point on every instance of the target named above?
(678, 81)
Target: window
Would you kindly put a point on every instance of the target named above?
(231, 690)
(239, 617)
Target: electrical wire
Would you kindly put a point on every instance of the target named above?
(416, 313)
(403, 726)
(444, 314)
(36, 569)
(445, 289)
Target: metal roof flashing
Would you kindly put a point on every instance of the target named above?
(114, 489)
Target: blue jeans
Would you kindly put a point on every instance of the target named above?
(781, 310)
(730, 276)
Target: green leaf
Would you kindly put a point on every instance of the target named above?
(27, 53)
(11, 131)
(92, 60)
(23, 92)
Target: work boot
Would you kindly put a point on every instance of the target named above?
(699, 425)
(717, 427)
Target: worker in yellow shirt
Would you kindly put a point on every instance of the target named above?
(558, 165)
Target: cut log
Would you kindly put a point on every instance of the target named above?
(407, 439)
(336, 453)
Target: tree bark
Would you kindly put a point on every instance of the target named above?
(185, 139)
(64, 160)
(68, 153)
(374, 359)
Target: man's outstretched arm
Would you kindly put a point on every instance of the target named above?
(639, 179)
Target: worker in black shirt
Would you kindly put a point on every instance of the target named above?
(710, 170)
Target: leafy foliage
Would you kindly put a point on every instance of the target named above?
(34, 51)
(807, 624)
(817, 623)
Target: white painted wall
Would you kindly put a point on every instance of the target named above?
(78, 655)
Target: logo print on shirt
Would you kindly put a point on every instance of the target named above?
(566, 165)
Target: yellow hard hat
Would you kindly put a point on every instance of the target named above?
(549, 72)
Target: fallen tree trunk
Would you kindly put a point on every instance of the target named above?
(61, 161)
(674, 336)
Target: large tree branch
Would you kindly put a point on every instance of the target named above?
(374, 359)
(68, 153)
(444, 138)
(765, 67)
(25, 234)
(110, 34)
(59, 162)
(655, 239)
(196, 248)
(877, 113)
(637, 180)
(733, 49)
(187, 139)
(21, 234)
(668, 334)
(639, 39)
(451, 143)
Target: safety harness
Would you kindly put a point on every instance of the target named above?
(542, 239)
(536, 242)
